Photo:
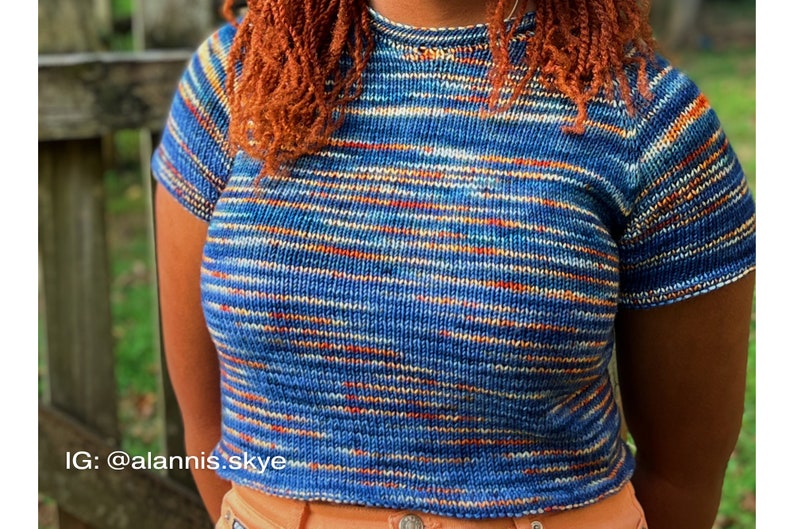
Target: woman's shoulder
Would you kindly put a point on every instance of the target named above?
(194, 156)
(657, 85)
(217, 44)
(204, 79)
(666, 102)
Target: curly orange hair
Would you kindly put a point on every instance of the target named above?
(288, 89)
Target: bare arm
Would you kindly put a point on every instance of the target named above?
(682, 370)
(190, 354)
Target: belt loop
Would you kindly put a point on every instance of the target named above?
(282, 512)
(302, 516)
(530, 521)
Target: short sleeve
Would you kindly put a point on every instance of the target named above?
(193, 159)
(692, 226)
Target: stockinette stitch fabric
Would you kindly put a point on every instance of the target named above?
(421, 314)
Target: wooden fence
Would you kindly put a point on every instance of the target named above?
(86, 93)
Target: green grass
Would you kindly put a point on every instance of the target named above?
(121, 8)
(132, 296)
(132, 302)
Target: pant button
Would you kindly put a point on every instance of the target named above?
(411, 521)
(536, 525)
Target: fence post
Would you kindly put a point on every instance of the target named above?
(73, 250)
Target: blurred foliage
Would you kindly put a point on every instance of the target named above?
(121, 8)
(703, 24)
(133, 308)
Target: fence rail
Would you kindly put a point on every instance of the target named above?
(102, 497)
(86, 95)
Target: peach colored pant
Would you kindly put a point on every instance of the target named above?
(244, 508)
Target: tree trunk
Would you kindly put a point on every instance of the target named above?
(680, 27)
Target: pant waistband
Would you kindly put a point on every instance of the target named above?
(265, 511)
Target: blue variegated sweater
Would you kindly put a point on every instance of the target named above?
(421, 315)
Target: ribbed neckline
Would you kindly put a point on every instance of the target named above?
(450, 37)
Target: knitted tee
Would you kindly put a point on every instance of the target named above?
(420, 316)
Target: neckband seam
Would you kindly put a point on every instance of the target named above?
(472, 36)
(398, 43)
